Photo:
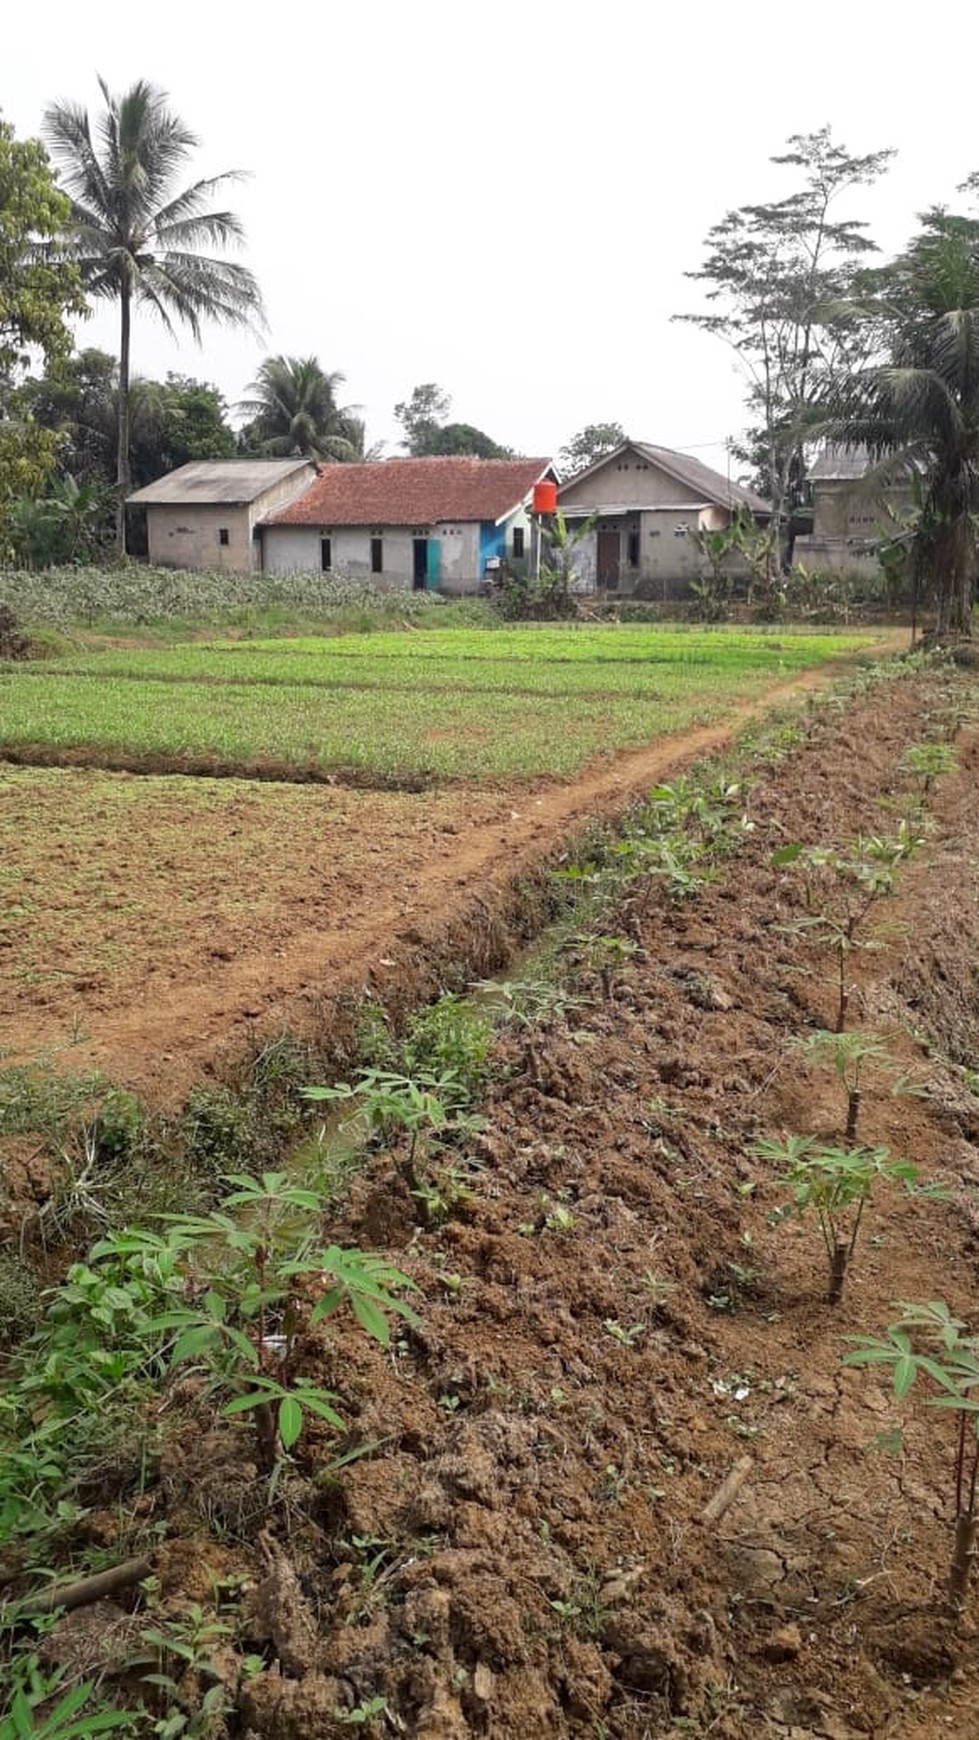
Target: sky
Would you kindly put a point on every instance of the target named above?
(504, 198)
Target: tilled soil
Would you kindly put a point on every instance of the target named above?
(157, 927)
(526, 1549)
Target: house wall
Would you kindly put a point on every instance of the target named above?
(847, 525)
(454, 564)
(631, 481)
(668, 556)
(189, 536)
(841, 511)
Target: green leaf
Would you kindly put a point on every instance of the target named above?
(905, 1372)
(290, 1421)
(371, 1318)
(192, 1342)
(787, 855)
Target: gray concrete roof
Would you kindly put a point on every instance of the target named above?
(221, 481)
(840, 464)
(711, 484)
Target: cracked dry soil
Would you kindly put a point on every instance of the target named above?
(524, 1552)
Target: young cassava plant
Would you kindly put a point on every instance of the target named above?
(243, 1307)
(836, 1184)
(428, 1108)
(841, 891)
(949, 1360)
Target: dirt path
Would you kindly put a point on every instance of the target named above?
(179, 922)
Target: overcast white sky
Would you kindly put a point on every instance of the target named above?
(504, 198)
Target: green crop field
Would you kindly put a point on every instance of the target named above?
(415, 707)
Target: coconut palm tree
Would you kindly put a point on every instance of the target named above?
(293, 410)
(136, 236)
(917, 411)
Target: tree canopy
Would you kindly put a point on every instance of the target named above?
(590, 443)
(428, 434)
(914, 407)
(293, 409)
(772, 273)
(38, 292)
(136, 235)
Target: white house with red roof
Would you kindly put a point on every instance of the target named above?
(415, 523)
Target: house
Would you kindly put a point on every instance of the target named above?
(205, 514)
(420, 523)
(648, 503)
(849, 518)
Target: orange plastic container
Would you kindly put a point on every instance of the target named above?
(545, 498)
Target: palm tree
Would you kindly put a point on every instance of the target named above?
(294, 410)
(917, 412)
(135, 238)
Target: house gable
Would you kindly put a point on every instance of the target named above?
(627, 478)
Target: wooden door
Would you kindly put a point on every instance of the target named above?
(608, 559)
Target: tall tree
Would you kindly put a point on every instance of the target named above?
(136, 236)
(293, 409)
(771, 273)
(37, 294)
(428, 435)
(590, 443)
(915, 407)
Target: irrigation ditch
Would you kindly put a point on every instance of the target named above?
(577, 1451)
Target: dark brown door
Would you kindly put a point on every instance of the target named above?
(608, 558)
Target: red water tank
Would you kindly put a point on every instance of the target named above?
(545, 498)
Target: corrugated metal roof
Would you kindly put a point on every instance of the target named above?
(221, 481)
(413, 492)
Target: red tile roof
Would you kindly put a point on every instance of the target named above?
(412, 492)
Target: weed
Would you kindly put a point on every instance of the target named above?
(30, 1714)
(450, 1037)
(626, 1336)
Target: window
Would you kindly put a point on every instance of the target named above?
(377, 555)
(633, 550)
(326, 554)
(517, 542)
(224, 536)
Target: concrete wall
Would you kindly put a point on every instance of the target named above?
(668, 556)
(456, 569)
(190, 536)
(630, 480)
(839, 510)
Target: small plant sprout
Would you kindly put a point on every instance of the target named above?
(849, 1053)
(951, 1362)
(836, 1183)
(627, 1335)
(602, 955)
(841, 891)
(926, 762)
